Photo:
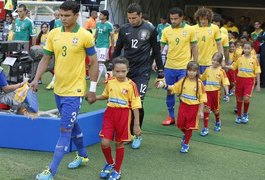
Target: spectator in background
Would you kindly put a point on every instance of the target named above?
(56, 22)
(7, 27)
(91, 22)
(230, 25)
(42, 37)
(261, 39)
(24, 28)
(254, 36)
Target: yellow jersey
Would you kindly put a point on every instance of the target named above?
(179, 42)
(188, 90)
(69, 49)
(214, 78)
(122, 94)
(232, 29)
(225, 40)
(207, 43)
(247, 67)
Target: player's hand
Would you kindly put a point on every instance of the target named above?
(34, 85)
(91, 97)
(160, 83)
(137, 130)
(154, 67)
(257, 88)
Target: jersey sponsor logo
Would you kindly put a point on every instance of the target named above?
(186, 96)
(144, 34)
(117, 101)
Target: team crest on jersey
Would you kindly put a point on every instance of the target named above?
(251, 63)
(184, 33)
(210, 31)
(75, 41)
(218, 76)
(124, 91)
(144, 34)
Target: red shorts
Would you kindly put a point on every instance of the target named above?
(244, 86)
(188, 116)
(231, 75)
(116, 122)
(213, 100)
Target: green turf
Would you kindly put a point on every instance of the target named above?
(237, 152)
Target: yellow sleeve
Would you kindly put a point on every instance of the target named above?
(234, 65)
(48, 48)
(135, 97)
(202, 93)
(204, 75)
(217, 35)
(176, 88)
(89, 41)
(225, 41)
(225, 80)
(193, 36)
(163, 39)
(105, 93)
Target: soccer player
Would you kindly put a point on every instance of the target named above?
(209, 38)
(104, 37)
(123, 96)
(70, 44)
(248, 70)
(215, 78)
(138, 38)
(24, 27)
(190, 90)
(182, 41)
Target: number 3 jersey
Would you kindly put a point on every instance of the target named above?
(138, 43)
(69, 49)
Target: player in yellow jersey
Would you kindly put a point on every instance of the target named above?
(182, 42)
(248, 70)
(215, 78)
(123, 96)
(191, 92)
(208, 35)
(70, 44)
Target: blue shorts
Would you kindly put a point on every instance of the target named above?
(68, 107)
(202, 69)
(174, 75)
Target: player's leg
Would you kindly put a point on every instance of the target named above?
(68, 108)
(142, 85)
(82, 156)
(171, 78)
(107, 133)
(249, 86)
(239, 98)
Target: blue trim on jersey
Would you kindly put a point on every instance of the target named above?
(246, 70)
(90, 51)
(189, 97)
(212, 83)
(117, 101)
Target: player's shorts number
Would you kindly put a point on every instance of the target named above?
(73, 119)
(143, 88)
(64, 51)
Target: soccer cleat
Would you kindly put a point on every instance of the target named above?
(184, 148)
(45, 175)
(231, 93)
(245, 118)
(168, 121)
(238, 120)
(78, 161)
(50, 86)
(217, 127)
(136, 142)
(105, 172)
(204, 132)
(114, 176)
(182, 140)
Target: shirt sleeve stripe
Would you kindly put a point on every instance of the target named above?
(47, 52)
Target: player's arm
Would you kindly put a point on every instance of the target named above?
(194, 51)
(34, 40)
(119, 44)
(42, 67)
(156, 51)
(258, 82)
(101, 97)
(220, 47)
(136, 126)
(96, 35)
(226, 54)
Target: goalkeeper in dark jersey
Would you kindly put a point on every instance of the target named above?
(139, 41)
